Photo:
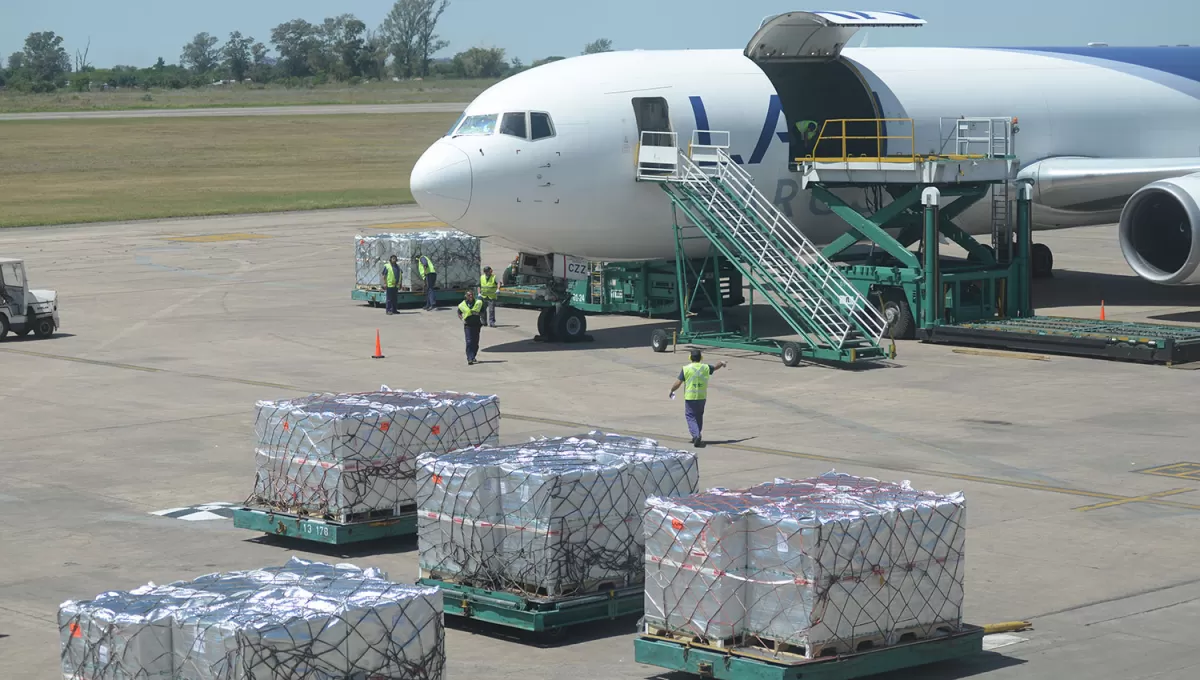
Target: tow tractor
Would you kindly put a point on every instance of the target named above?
(22, 309)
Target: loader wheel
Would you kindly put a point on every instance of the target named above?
(3, 327)
(570, 325)
(898, 315)
(659, 341)
(545, 324)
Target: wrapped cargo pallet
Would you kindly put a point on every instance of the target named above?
(346, 457)
(551, 517)
(455, 256)
(808, 567)
(302, 621)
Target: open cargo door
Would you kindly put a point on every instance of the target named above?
(817, 36)
(822, 92)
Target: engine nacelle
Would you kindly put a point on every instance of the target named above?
(1160, 231)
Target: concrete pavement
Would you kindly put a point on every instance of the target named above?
(145, 400)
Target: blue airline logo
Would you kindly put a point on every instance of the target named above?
(774, 113)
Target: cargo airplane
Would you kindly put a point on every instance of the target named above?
(543, 162)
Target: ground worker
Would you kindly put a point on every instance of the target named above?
(807, 130)
(391, 279)
(696, 376)
(487, 295)
(468, 311)
(429, 276)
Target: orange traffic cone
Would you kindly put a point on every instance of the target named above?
(1102, 310)
(378, 350)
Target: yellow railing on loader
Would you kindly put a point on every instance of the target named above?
(839, 136)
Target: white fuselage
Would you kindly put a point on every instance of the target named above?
(574, 192)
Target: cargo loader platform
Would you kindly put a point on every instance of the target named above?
(325, 531)
(749, 663)
(538, 614)
(1142, 342)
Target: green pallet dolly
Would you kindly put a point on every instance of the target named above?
(324, 531)
(537, 614)
(739, 664)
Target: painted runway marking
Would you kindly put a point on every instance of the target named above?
(1178, 470)
(1135, 499)
(199, 513)
(998, 640)
(215, 238)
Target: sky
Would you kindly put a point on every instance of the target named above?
(136, 32)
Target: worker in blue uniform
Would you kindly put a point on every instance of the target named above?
(391, 281)
(695, 376)
(429, 275)
(469, 311)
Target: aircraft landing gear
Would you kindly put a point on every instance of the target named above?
(1041, 261)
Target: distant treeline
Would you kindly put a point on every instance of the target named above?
(339, 49)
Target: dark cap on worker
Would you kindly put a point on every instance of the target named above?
(487, 269)
(696, 355)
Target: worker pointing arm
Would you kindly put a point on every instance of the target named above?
(695, 375)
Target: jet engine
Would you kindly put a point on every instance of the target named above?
(1160, 231)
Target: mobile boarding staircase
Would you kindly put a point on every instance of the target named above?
(833, 320)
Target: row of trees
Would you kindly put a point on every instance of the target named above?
(340, 48)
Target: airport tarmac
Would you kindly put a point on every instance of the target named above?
(144, 402)
(307, 110)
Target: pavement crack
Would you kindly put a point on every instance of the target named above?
(1144, 611)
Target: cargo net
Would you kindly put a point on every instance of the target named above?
(828, 565)
(302, 621)
(351, 457)
(455, 256)
(547, 518)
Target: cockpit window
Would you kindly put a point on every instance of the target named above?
(455, 126)
(513, 124)
(477, 125)
(540, 125)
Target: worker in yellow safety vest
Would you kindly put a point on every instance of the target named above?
(468, 311)
(391, 283)
(487, 295)
(695, 375)
(429, 275)
(807, 131)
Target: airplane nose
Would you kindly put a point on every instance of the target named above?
(441, 181)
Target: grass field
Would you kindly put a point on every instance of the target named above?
(408, 92)
(55, 172)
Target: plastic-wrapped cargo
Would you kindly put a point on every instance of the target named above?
(806, 566)
(550, 517)
(455, 256)
(352, 456)
(306, 621)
